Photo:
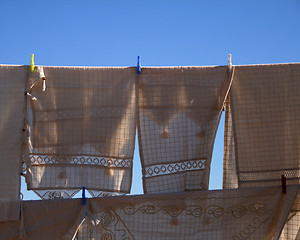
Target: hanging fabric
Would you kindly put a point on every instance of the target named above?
(179, 112)
(262, 131)
(256, 213)
(12, 89)
(82, 131)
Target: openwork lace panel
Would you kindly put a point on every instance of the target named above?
(12, 99)
(214, 215)
(262, 131)
(179, 110)
(82, 131)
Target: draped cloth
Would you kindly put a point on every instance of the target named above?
(262, 140)
(12, 88)
(255, 213)
(82, 131)
(179, 111)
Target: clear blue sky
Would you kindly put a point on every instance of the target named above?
(163, 33)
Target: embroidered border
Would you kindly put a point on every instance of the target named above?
(236, 211)
(268, 175)
(169, 168)
(56, 194)
(39, 159)
(76, 114)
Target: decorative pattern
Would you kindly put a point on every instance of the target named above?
(96, 194)
(255, 223)
(162, 169)
(114, 227)
(236, 211)
(56, 194)
(268, 175)
(76, 114)
(38, 159)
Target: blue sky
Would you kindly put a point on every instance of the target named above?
(163, 33)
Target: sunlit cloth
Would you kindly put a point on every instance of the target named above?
(255, 213)
(230, 214)
(262, 140)
(12, 98)
(179, 111)
(82, 131)
(265, 109)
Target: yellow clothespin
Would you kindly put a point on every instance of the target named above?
(32, 63)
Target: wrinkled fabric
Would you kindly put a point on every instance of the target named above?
(179, 112)
(254, 213)
(82, 131)
(12, 99)
(225, 214)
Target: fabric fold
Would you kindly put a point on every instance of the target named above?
(82, 131)
(224, 214)
(179, 112)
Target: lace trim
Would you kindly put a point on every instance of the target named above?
(37, 159)
(97, 194)
(76, 114)
(169, 168)
(269, 175)
(56, 194)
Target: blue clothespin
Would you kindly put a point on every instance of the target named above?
(83, 196)
(139, 65)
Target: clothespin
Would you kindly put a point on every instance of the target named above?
(83, 196)
(139, 65)
(32, 63)
(229, 62)
(283, 184)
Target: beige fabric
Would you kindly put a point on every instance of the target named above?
(266, 124)
(257, 213)
(291, 230)
(230, 214)
(229, 165)
(50, 219)
(179, 110)
(12, 89)
(262, 140)
(82, 131)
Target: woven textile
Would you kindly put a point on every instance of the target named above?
(179, 111)
(47, 219)
(265, 108)
(12, 89)
(82, 131)
(262, 131)
(291, 230)
(256, 213)
(230, 214)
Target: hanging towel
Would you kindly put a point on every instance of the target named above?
(179, 111)
(12, 89)
(82, 131)
(265, 112)
(262, 131)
